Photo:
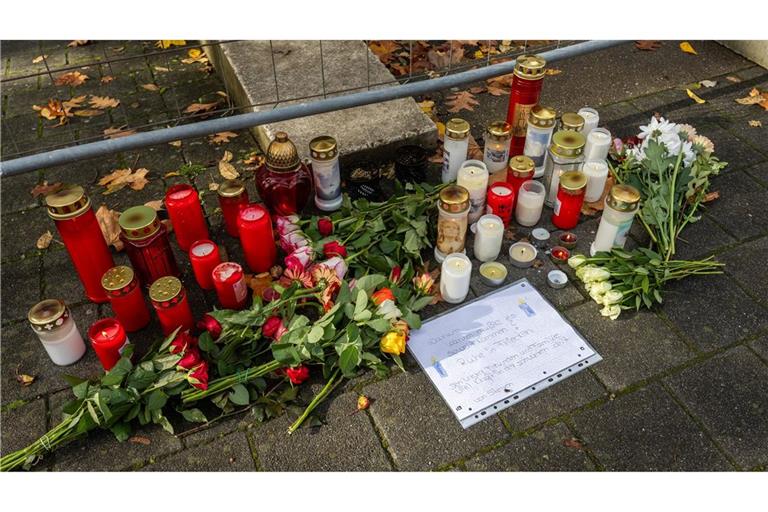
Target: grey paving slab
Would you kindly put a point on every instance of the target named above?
(761, 347)
(739, 209)
(21, 230)
(713, 311)
(542, 450)
(346, 442)
(740, 264)
(60, 279)
(419, 428)
(20, 287)
(229, 453)
(647, 431)
(700, 239)
(15, 192)
(634, 347)
(675, 105)
(22, 425)
(729, 395)
(731, 149)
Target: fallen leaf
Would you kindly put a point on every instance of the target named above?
(227, 157)
(259, 282)
(648, 46)
(118, 49)
(167, 43)
(733, 79)
(73, 78)
(552, 71)
(572, 442)
(140, 440)
(753, 98)
(474, 151)
(195, 55)
(694, 97)
(150, 87)
(175, 143)
(24, 379)
(221, 137)
(43, 189)
(120, 131)
(478, 89)
(687, 48)
(78, 42)
(213, 186)
(44, 241)
(103, 102)
(118, 179)
(107, 79)
(538, 263)
(196, 108)
(462, 100)
(226, 169)
(384, 50)
(711, 196)
(88, 112)
(55, 109)
(426, 106)
(755, 124)
(253, 158)
(499, 85)
(708, 83)
(39, 58)
(161, 69)
(110, 228)
(156, 205)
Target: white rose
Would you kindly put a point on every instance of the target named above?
(596, 274)
(602, 286)
(577, 260)
(596, 296)
(583, 270)
(612, 311)
(613, 297)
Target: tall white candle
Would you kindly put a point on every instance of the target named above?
(530, 201)
(455, 148)
(473, 175)
(591, 119)
(488, 238)
(598, 144)
(597, 173)
(454, 278)
(53, 323)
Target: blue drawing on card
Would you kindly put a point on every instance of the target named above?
(527, 309)
(439, 368)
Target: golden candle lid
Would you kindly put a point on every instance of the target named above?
(457, 128)
(231, 188)
(623, 198)
(573, 181)
(572, 121)
(568, 143)
(542, 117)
(521, 166)
(68, 202)
(48, 315)
(139, 222)
(530, 67)
(165, 289)
(323, 148)
(454, 198)
(117, 278)
(499, 130)
(282, 154)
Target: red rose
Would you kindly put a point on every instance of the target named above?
(297, 375)
(382, 295)
(334, 248)
(190, 358)
(198, 376)
(272, 327)
(325, 226)
(181, 342)
(210, 324)
(270, 294)
(394, 275)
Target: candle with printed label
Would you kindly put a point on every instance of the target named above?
(541, 125)
(204, 256)
(125, 297)
(455, 148)
(53, 323)
(524, 94)
(186, 214)
(452, 211)
(500, 201)
(473, 176)
(324, 153)
(496, 151)
(621, 205)
(565, 154)
(108, 340)
(570, 198)
(229, 280)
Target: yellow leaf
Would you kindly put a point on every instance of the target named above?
(44, 241)
(167, 43)
(175, 143)
(440, 129)
(39, 58)
(693, 96)
(552, 71)
(427, 106)
(479, 54)
(755, 124)
(226, 169)
(687, 48)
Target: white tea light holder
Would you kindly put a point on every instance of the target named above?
(557, 279)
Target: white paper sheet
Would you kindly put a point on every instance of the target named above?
(497, 350)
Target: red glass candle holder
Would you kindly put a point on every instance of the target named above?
(284, 182)
(524, 95)
(229, 280)
(521, 169)
(256, 237)
(71, 210)
(169, 298)
(501, 200)
(125, 296)
(570, 198)
(568, 240)
(108, 340)
(186, 214)
(204, 256)
(147, 243)
(233, 197)
(559, 254)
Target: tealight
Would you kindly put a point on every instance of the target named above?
(557, 279)
(568, 240)
(540, 236)
(493, 273)
(522, 254)
(559, 254)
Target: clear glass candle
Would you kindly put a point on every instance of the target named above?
(186, 213)
(452, 212)
(596, 172)
(565, 154)
(455, 147)
(591, 119)
(455, 274)
(233, 197)
(488, 237)
(496, 152)
(501, 201)
(204, 256)
(598, 144)
(621, 205)
(147, 243)
(473, 176)
(324, 153)
(541, 125)
(229, 280)
(530, 202)
(257, 238)
(125, 297)
(108, 340)
(169, 298)
(570, 198)
(524, 94)
(53, 323)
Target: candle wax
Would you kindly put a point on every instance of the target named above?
(202, 249)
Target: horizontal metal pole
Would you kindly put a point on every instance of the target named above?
(248, 120)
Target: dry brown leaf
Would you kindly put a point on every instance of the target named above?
(226, 169)
(78, 42)
(118, 179)
(572, 442)
(75, 102)
(156, 205)
(552, 71)
(161, 69)
(733, 79)
(140, 440)
(462, 100)
(648, 46)
(175, 143)
(73, 78)
(103, 102)
(107, 79)
(43, 189)
(755, 124)
(44, 241)
(478, 89)
(24, 379)
(222, 94)
(150, 87)
(474, 151)
(499, 85)
(443, 59)
(384, 50)
(221, 137)
(39, 58)
(196, 108)
(253, 158)
(110, 228)
(711, 196)
(213, 186)
(88, 112)
(54, 110)
(120, 131)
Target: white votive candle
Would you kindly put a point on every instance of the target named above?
(52, 322)
(454, 278)
(488, 238)
(530, 201)
(597, 173)
(591, 119)
(598, 144)
(455, 147)
(522, 254)
(473, 175)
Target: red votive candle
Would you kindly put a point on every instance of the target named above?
(229, 280)
(108, 340)
(232, 198)
(559, 254)
(523, 96)
(147, 244)
(171, 304)
(71, 210)
(204, 256)
(521, 169)
(256, 237)
(570, 198)
(125, 296)
(186, 214)
(500, 201)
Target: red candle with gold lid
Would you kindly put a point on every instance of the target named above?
(501, 201)
(147, 243)
(570, 198)
(71, 210)
(233, 197)
(521, 169)
(256, 237)
(284, 182)
(186, 214)
(204, 256)
(125, 296)
(169, 298)
(229, 280)
(108, 340)
(523, 96)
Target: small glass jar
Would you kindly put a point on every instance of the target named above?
(496, 152)
(565, 154)
(501, 201)
(530, 202)
(524, 94)
(452, 212)
(229, 280)
(204, 256)
(570, 198)
(596, 172)
(186, 213)
(284, 182)
(621, 205)
(257, 238)
(232, 198)
(541, 125)
(324, 153)
(108, 339)
(455, 148)
(71, 211)
(598, 144)
(473, 176)
(591, 119)
(520, 170)
(124, 292)
(571, 121)
(53, 323)
(147, 244)
(488, 238)
(169, 298)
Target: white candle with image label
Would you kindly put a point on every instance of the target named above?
(455, 275)
(473, 176)
(496, 151)
(541, 124)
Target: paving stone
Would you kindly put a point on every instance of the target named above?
(622, 119)
(675, 105)
(729, 148)
(647, 431)
(16, 192)
(713, 311)
(729, 395)
(21, 230)
(543, 450)
(634, 347)
(761, 347)
(60, 279)
(20, 287)
(740, 262)
(346, 442)
(570, 394)
(700, 239)
(230, 453)
(419, 428)
(740, 209)
(22, 425)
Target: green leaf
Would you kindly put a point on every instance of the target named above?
(156, 400)
(121, 430)
(360, 302)
(92, 412)
(73, 380)
(167, 341)
(239, 395)
(81, 390)
(379, 324)
(368, 284)
(286, 354)
(115, 376)
(194, 415)
(363, 315)
(349, 359)
(315, 334)
(103, 407)
(421, 303)
(412, 319)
